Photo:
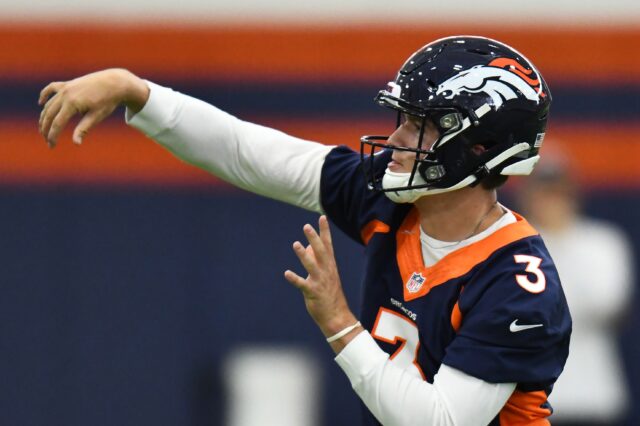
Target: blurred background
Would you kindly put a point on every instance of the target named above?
(137, 290)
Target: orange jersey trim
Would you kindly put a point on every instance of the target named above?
(455, 264)
(371, 228)
(525, 408)
(456, 317)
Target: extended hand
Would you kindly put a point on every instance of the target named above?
(93, 96)
(322, 290)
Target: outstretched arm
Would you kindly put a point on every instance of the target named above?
(393, 395)
(256, 158)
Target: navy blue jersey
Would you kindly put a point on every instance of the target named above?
(494, 309)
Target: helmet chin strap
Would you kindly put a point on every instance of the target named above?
(395, 180)
(399, 180)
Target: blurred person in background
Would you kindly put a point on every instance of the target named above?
(595, 265)
(463, 319)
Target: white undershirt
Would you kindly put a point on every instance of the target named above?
(270, 163)
(433, 250)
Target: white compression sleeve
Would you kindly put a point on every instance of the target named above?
(396, 397)
(256, 158)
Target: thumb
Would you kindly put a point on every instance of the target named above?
(88, 121)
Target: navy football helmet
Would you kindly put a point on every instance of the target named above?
(476, 91)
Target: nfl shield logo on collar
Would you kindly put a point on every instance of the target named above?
(415, 282)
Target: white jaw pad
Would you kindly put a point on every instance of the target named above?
(394, 180)
(521, 168)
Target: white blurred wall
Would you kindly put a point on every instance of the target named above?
(506, 12)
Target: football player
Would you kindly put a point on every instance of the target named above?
(463, 320)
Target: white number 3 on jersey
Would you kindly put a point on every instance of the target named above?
(533, 267)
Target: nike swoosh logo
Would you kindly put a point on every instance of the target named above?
(514, 328)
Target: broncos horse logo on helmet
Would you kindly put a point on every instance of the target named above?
(476, 91)
(499, 83)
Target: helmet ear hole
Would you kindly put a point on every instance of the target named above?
(478, 149)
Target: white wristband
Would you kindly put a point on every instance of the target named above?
(343, 332)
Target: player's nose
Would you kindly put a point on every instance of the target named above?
(398, 137)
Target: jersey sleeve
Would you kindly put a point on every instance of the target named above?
(252, 157)
(515, 319)
(344, 194)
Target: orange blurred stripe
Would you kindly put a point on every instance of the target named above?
(604, 156)
(111, 154)
(280, 53)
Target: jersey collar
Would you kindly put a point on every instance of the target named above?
(418, 279)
